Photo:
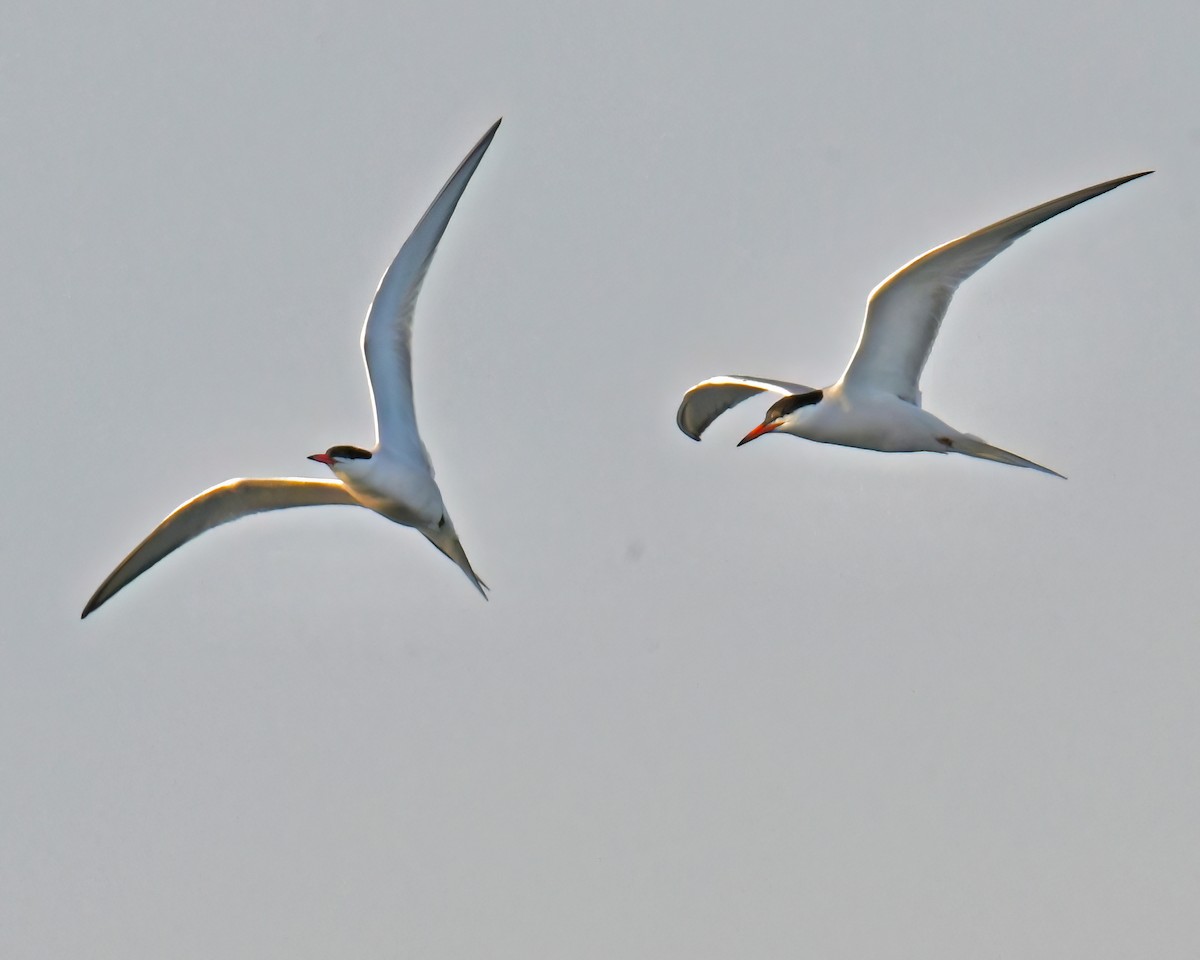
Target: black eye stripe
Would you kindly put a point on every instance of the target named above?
(793, 401)
(348, 453)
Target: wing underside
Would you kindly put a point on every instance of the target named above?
(905, 311)
(387, 333)
(706, 401)
(217, 505)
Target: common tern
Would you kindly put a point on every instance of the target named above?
(876, 404)
(395, 477)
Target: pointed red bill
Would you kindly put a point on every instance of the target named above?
(760, 430)
(322, 458)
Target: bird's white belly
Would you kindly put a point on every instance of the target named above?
(401, 492)
(878, 423)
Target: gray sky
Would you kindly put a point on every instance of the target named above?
(788, 700)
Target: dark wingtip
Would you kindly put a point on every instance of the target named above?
(680, 422)
(1133, 176)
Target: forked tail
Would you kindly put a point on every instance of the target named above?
(974, 447)
(446, 540)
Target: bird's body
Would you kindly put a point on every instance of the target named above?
(876, 405)
(872, 420)
(394, 478)
(400, 488)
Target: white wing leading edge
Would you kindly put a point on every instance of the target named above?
(905, 311)
(387, 334)
(706, 401)
(227, 501)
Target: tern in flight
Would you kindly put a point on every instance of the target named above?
(395, 477)
(877, 403)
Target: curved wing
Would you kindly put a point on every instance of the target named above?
(905, 311)
(706, 401)
(387, 334)
(217, 505)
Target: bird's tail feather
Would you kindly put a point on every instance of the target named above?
(446, 540)
(974, 447)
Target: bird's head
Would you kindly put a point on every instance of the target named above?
(787, 414)
(343, 459)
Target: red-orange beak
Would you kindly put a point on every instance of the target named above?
(760, 430)
(322, 458)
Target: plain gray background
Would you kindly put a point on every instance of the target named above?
(788, 700)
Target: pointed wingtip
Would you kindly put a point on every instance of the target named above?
(1121, 181)
(491, 132)
(89, 607)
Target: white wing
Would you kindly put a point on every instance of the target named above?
(387, 334)
(905, 311)
(217, 505)
(706, 401)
